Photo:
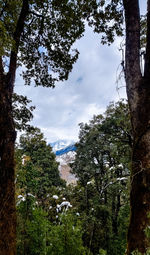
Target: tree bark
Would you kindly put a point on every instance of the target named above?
(138, 92)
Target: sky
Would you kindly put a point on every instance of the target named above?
(92, 84)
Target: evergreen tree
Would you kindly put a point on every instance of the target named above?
(36, 175)
(102, 168)
(37, 170)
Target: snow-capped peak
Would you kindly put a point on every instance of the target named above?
(61, 144)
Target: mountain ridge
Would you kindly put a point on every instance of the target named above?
(65, 150)
(61, 147)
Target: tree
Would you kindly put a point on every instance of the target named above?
(39, 35)
(37, 175)
(107, 17)
(66, 237)
(32, 227)
(37, 169)
(138, 92)
(102, 166)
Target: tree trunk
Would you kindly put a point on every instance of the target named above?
(138, 92)
(140, 176)
(140, 195)
(115, 211)
(7, 144)
(7, 176)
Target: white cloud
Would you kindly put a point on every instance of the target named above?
(57, 133)
(89, 89)
(87, 113)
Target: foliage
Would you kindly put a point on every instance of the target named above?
(36, 174)
(66, 237)
(89, 218)
(38, 233)
(22, 112)
(106, 17)
(45, 44)
(102, 252)
(32, 228)
(37, 169)
(139, 253)
(102, 168)
(9, 12)
(102, 142)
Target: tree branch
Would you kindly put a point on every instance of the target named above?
(37, 14)
(16, 38)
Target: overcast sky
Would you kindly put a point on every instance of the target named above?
(88, 91)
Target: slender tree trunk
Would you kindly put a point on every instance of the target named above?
(115, 211)
(7, 182)
(138, 92)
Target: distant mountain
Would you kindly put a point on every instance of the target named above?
(64, 167)
(65, 154)
(65, 150)
(61, 144)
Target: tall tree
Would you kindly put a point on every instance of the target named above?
(36, 174)
(138, 92)
(39, 35)
(107, 17)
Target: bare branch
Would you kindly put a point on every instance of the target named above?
(37, 14)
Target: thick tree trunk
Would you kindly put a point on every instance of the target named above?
(7, 142)
(140, 195)
(138, 92)
(140, 176)
(7, 181)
